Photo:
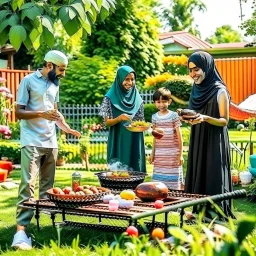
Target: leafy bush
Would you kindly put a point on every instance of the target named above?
(11, 150)
(188, 241)
(176, 64)
(251, 193)
(149, 110)
(15, 128)
(87, 80)
(180, 86)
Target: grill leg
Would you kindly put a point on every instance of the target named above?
(63, 215)
(53, 215)
(182, 212)
(153, 221)
(165, 222)
(37, 216)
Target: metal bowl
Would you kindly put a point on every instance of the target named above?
(131, 182)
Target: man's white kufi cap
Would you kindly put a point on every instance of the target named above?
(56, 57)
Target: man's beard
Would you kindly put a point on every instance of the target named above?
(53, 78)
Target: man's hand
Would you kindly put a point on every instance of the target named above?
(51, 115)
(75, 133)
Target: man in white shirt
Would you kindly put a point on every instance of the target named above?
(37, 98)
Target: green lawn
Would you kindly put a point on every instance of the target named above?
(47, 233)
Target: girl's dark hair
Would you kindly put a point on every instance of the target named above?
(162, 93)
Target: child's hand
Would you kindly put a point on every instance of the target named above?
(180, 160)
(151, 159)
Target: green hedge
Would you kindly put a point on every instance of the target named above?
(10, 149)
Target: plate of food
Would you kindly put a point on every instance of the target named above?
(137, 126)
(187, 113)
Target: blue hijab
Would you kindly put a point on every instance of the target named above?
(202, 93)
(128, 102)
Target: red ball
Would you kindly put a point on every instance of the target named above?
(132, 231)
(159, 204)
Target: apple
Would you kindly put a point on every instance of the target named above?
(132, 231)
(56, 190)
(67, 190)
(79, 188)
(159, 204)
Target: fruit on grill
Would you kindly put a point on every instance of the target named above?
(57, 190)
(159, 204)
(139, 124)
(132, 231)
(157, 233)
(151, 191)
(127, 194)
(118, 174)
(80, 190)
(67, 190)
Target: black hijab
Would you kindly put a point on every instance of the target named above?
(202, 93)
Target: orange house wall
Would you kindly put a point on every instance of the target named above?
(239, 74)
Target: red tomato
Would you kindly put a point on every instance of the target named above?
(159, 204)
(132, 231)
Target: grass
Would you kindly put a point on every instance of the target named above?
(47, 233)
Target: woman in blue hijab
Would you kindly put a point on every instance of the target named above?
(208, 169)
(123, 103)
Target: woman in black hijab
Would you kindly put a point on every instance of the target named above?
(208, 170)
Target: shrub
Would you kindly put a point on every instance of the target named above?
(180, 86)
(176, 64)
(15, 128)
(87, 80)
(11, 150)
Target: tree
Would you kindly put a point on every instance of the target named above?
(224, 34)
(250, 24)
(31, 23)
(179, 16)
(87, 80)
(130, 36)
(70, 45)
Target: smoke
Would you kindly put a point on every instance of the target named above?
(115, 165)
